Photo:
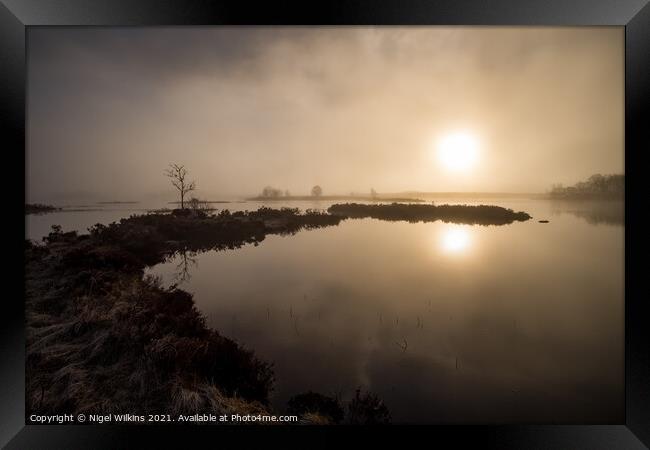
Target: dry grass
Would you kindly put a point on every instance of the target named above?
(101, 338)
(104, 340)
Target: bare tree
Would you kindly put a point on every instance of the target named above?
(178, 176)
(316, 191)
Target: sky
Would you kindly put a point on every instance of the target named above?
(347, 108)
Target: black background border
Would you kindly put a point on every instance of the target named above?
(17, 15)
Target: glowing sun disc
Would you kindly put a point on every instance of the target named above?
(458, 152)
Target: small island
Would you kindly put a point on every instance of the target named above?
(465, 214)
(38, 208)
(118, 202)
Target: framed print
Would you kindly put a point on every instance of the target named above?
(283, 221)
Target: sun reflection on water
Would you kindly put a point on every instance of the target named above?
(455, 240)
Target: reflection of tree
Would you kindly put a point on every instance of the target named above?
(609, 217)
(186, 260)
(610, 212)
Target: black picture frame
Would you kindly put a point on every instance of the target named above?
(18, 15)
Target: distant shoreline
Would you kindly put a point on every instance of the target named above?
(476, 194)
(333, 198)
(409, 196)
(117, 203)
(401, 197)
(202, 201)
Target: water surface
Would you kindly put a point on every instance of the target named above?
(447, 323)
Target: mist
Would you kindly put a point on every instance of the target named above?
(348, 108)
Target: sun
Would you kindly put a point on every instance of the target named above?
(458, 152)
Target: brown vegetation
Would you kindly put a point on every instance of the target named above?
(101, 338)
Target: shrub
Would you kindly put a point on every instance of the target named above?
(367, 409)
(315, 403)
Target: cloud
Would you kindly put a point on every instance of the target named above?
(346, 107)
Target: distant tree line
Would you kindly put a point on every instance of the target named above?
(271, 192)
(595, 186)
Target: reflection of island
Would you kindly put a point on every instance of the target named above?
(610, 212)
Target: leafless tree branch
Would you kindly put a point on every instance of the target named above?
(178, 175)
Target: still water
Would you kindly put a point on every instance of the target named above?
(446, 323)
